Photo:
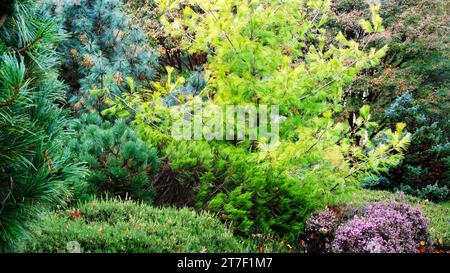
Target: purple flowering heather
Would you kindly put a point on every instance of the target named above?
(382, 228)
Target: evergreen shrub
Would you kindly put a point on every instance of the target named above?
(111, 226)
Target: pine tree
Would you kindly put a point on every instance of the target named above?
(105, 48)
(33, 171)
(120, 164)
(267, 53)
(106, 54)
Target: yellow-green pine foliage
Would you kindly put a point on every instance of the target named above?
(274, 53)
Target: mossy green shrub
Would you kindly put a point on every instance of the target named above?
(110, 226)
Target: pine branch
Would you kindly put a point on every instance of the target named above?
(12, 99)
(28, 46)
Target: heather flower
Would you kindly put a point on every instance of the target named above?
(382, 228)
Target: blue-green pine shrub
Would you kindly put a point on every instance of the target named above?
(120, 164)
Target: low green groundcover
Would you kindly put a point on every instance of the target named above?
(126, 226)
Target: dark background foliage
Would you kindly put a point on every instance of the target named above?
(410, 85)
